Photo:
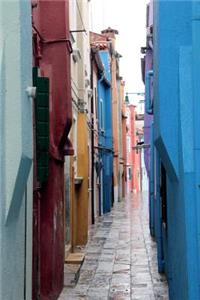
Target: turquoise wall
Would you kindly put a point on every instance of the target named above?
(176, 127)
(15, 150)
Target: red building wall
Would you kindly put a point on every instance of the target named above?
(51, 54)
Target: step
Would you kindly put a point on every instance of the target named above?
(72, 267)
(75, 258)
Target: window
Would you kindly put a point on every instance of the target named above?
(147, 16)
(130, 173)
(129, 144)
(101, 115)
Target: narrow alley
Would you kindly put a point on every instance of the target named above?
(99, 150)
(120, 261)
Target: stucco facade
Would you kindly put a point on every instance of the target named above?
(133, 155)
(81, 128)
(54, 118)
(16, 144)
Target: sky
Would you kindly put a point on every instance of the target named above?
(129, 18)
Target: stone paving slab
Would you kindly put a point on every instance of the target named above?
(120, 261)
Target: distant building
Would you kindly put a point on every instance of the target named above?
(102, 43)
(104, 163)
(122, 140)
(133, 136)
(78, 187)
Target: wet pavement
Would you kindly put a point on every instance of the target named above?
(120, 261)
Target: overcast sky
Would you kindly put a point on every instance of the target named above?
(129, 18)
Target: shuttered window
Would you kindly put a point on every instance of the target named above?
(42, 125)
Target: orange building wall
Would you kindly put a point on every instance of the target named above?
(81, 190)
(124, 148)
(133, 156)
(115, 128)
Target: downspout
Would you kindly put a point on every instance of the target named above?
(158, 218)
(151, 185)
(92, 141)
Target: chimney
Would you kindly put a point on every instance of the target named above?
(110, 33)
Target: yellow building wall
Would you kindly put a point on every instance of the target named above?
(81, 190)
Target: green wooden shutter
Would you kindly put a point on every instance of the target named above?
(42, 125)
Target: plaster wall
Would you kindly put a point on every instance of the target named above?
(16, 155)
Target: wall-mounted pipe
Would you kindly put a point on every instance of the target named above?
(151, 185)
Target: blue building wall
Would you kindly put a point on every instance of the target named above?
(176, 137)
(105, 132)
(15, 150)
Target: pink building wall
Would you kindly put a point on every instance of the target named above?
(124, 145)
(133, 156)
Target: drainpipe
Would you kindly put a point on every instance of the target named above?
(151, 185)
(158, 216)
(92, 141)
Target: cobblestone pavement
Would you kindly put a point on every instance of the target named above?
(120, 260)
